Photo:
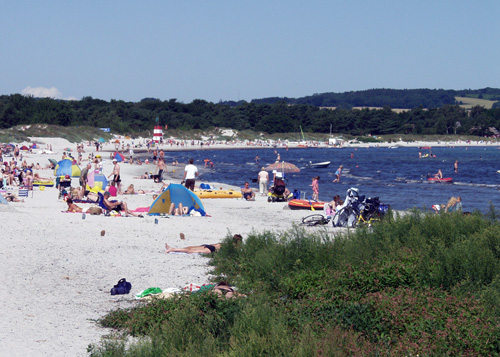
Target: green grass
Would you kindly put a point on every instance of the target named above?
(421, 284)
(469, 102)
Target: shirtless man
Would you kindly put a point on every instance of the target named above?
(439, 174)
(116, 175)
(160, 169)
(248, 193)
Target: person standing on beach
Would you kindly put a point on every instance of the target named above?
(456, 166)
(190, 174)
(315, 188)
(338, 173)
(84, 174)
(160, 169)
(116, 175)
(263, 180)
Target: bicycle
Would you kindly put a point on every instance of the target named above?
(315, 220)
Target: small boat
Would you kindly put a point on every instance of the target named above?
(437, 179)
(424, 147)
(306, 204)
(318, 165)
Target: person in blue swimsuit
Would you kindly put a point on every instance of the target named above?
(338, 173)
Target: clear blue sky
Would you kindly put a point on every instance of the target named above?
(230, 50)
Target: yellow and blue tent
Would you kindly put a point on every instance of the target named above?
(67, 167)
(96, 182)
(176, 194)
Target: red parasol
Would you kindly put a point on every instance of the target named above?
(283, 167)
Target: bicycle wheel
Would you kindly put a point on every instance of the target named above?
(314, 219)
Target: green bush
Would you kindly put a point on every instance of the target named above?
(419, 284)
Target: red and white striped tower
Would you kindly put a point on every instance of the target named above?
(157, 134)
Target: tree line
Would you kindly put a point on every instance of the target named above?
(394, 98)
(129, 117)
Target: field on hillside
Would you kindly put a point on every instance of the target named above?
(468, 102)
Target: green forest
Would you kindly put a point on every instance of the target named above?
(394, 98)
(280, 117)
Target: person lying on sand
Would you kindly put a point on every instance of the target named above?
(10, 197)
(72, 207)
(203, 249)
(130, 190)
(225, 290)
(118, 206)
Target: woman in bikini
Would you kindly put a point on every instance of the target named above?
(203, 249)
(73, 207)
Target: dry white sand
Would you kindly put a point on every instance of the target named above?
(58, 270)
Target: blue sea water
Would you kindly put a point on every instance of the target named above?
(396, 176)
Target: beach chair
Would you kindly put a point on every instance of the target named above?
(24, 192)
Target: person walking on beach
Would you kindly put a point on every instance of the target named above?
(338, 173)
(263, 180)
(190, 174)
(315, 188)
(116, 175)
(160, 169)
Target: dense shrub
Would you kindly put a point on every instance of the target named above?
(418, 284)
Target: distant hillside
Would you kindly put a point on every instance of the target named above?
(394, 98)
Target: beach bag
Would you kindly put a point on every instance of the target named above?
(95, 210)
(123, 287)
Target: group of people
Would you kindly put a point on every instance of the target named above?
(454, 204)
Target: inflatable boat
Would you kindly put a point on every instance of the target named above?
(218, 194)
(306, 204)
(43, 183)
(437, 179)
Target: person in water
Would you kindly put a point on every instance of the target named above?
(455, 166)
(439, 174)
(338, 173)
(202, 249)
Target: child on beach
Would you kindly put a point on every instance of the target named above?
(315, 187)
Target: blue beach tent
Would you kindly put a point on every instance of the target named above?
(176, 194)
(67, 167)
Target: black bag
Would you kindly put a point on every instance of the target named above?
(123, 287)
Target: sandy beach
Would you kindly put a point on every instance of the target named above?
(59, 270)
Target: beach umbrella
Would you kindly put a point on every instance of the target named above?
(118, 156)
(96, 181)
(282, 166)
(53, 162)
